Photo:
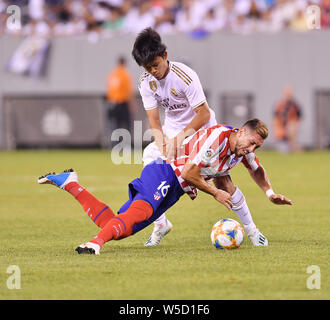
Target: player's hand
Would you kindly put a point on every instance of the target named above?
(163, 149)
(224, 198)
(280, 199)
(172, 147)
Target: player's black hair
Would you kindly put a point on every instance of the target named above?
(147, 46)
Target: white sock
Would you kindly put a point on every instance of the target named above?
(161, 221)
(241, 208)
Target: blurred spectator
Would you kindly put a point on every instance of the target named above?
(70, 19)
(121, 102)
(210, 22)
(286, 120)
(139, 17)
(299, 23)
(37, 28)
(325, 13)
(227, 14)
(36, 9)
(242, 25)
(255, 11)
(267, 23)
(102, 17)
(165, 12)
(270, 3)
(286, 11)
(116, 20)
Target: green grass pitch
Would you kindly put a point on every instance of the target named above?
(41, 226)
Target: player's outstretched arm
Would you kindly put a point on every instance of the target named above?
(191, 173)
(261, 179)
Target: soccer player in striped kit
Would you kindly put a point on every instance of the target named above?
(176, 88)
(208, 154)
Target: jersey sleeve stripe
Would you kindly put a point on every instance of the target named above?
(212, 139)
(182, 72)
(191, 142)
(151, 108)
(223, 163)
(182, 78)
(219, 140)
(143, 76)
(197, 145)
(223, 139)
(199, 104)
(196, 137)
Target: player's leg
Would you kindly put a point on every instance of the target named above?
(99, 212)
(119, 227)
(241, 208)
(162, 226)
(150, 196)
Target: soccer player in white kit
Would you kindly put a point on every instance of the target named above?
(176, 88)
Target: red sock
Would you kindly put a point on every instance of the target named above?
(97, 210)
(121, 226)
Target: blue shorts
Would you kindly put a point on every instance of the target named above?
(157, 185)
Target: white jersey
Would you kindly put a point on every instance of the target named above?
(179, 93)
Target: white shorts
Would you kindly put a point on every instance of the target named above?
(151, 153)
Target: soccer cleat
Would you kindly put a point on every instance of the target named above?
(257, 238)
(88, 248)
(158, 234)
(59, 180)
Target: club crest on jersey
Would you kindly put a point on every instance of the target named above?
(157, 195)
(174, 93)
(208, 153)
(233, 162)
(153, 86)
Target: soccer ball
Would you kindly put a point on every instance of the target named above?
(227, 234)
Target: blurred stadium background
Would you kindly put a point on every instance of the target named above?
(55, 57)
